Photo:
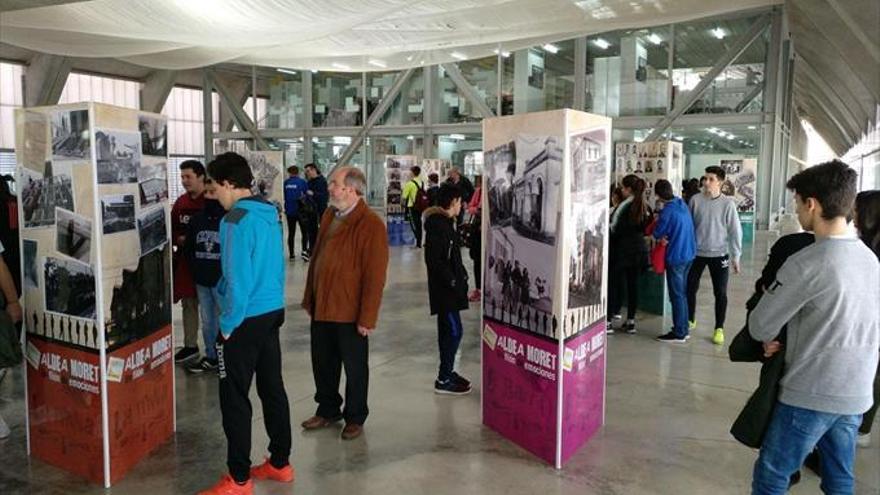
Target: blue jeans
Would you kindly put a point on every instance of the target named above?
(676, 281)
(449, 333)
(792, 434)
(209, 312)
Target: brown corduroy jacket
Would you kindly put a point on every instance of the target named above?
(355, 260)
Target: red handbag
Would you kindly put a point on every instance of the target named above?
(657, 257)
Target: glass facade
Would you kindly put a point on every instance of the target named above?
(408, 107)
(186, 119)
(285, 106)
(628, 72)
(451, 106)
(538, 78)
(337, 99)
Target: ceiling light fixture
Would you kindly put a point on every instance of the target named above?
(459, 56)
(314, 71)
(654, 38)
(719, 33)
(340, 66)
(601, 43)
(378, 63)
(752, 128)
(286, 71)
(550, 48)
(457, 137)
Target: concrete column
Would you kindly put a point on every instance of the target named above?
(44, 79)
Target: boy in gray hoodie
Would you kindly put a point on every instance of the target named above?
(827, 293)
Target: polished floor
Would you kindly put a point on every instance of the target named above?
(668, 413)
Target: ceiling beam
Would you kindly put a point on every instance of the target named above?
(157, 87)
(10, 5)
(44, 79)
(239, 116)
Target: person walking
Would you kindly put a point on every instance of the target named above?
(629, 251)
(342, 297)
(867, 222)
(675, 228)
(251, 292)
(415, 201)
(827, 295)
(719, 245)
(192, 201)
(294, 189)
(447, 286)
(317, 197)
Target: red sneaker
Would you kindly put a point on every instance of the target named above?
(267, 471)
(228, 486)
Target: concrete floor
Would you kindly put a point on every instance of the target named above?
(668, 414)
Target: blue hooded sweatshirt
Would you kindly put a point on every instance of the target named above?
(252, 261)
(677, 225)
(294, 188)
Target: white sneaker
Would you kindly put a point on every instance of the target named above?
(864, 440)
(4, 428)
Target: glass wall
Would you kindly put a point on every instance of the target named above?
(326, 152)
(407, 108)
(464, 151)
(186, 134)
(538, 78)
(699, 45)
(285, 106)
(337, 98)
(450, 103)
(628, 72)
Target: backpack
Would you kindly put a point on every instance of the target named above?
(422, 202)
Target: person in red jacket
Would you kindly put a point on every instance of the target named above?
(192, 177)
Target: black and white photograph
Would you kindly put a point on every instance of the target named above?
(153, 183)
(119, 156)
(73, 235)
(34, 150)
(141, 304)
(536, 77)
(70, 135)
(40, 196)
(265, 174)
(29, 262)
(117, 213)
(586, 231)
(69, 287)
(523, 177)
(154, 136)
(152, 230)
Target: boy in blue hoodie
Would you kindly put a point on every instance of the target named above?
(251, 292)
(675, 227)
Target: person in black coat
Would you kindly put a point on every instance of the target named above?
(447, 285)
(313, 205)
(628, 251)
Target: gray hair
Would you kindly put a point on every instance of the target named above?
(355, 179)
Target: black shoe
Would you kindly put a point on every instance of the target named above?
(451, 387)
(795, 479)
(812, 462)
(671, 338)
(630, 327)
(305, 257)
(185, 354)
(460, 379)
(203, 365)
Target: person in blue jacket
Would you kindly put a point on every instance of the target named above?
(294, 189)
(675, 227)
(315, 201)
(251, 291)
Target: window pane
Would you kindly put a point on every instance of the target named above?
(284, 108)
(337, 99)
(699, 45)
(409, 105)
(452, 106)
(538, 78)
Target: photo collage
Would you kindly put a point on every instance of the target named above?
(651, 161)
(124, 154)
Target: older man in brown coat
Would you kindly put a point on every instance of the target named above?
(342, 296)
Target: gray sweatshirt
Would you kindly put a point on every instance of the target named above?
(716, 224)
(829, 294)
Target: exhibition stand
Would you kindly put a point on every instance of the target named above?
(543, 339)
(96, 269)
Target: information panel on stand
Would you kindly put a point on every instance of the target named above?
(543, 336)
(94, 212)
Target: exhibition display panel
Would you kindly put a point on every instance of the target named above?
(544, 297)
(94, 211)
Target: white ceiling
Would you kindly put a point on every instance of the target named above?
(329, 34)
